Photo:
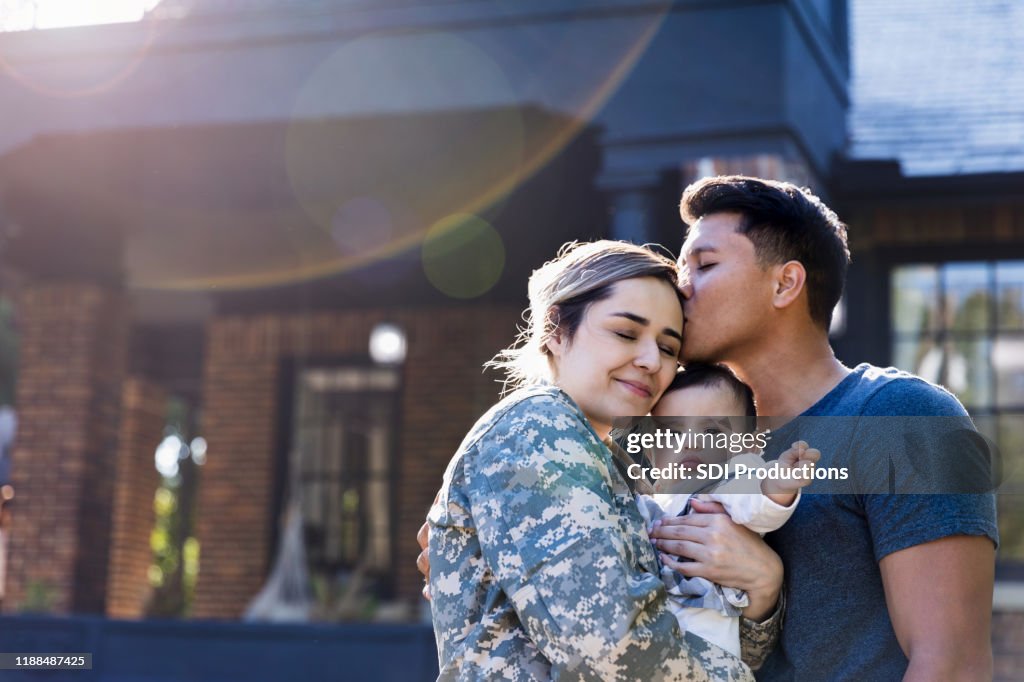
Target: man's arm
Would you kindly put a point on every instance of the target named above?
(939, 596)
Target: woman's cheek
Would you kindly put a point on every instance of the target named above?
(668, 372)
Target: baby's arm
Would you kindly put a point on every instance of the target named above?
(752, 510)
(746, 502)
(799, 459)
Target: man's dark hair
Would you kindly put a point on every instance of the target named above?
(784, 222)
(707, 374)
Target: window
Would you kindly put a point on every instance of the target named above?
(631, 216)
(961, 325)
(340, 465)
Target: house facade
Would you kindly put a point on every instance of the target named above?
(223, 204)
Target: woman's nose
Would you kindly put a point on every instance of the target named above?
(648, 357)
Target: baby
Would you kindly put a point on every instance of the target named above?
(718, 404)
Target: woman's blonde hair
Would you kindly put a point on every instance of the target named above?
(560, 293)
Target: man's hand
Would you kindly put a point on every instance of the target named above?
(723, 552)
(423, 560)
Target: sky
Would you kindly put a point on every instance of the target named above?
(26, 14)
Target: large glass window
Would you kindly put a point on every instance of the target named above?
(341, 469)
(961, 325)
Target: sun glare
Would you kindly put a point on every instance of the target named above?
(27, 14)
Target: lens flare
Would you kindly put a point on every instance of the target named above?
(373, 125)
(463, 256)
(93, 73)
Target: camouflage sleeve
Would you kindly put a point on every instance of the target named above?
(556, 542)
(758, 639)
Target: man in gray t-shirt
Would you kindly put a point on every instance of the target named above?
(833, 544)
(881, 585)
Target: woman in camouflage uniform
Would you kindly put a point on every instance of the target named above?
(540, 566)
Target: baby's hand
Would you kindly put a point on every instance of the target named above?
(799, 455)
(799, 459)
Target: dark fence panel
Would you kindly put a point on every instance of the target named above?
(194, 651)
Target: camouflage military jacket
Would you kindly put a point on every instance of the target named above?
(540, 565)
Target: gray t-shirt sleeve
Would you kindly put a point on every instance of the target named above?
(898, 521)
(901, 521)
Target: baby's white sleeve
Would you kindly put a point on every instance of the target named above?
(746, 504)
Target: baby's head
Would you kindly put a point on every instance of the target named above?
(703, 398)
(704, 390)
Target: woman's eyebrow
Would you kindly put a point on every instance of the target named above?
(644, 322)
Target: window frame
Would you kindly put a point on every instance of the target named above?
(289, 373)
(1010, 572)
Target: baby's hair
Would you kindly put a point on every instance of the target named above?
(707, 374)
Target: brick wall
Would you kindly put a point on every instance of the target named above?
(233, 516)
(443, 392)
(143, 418)
(68, 400)
(916, 226)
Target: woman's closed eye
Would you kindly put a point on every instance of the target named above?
(706, 266)
(667, 350)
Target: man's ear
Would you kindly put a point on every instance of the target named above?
(789, 283)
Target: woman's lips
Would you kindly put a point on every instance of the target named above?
(636, 389)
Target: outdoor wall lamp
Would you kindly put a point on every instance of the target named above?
(388, 344)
